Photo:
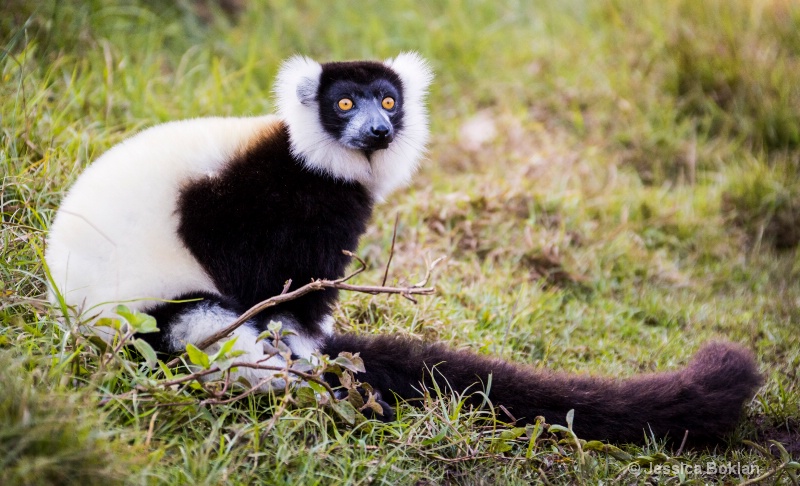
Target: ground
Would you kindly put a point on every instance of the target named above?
(612, 184)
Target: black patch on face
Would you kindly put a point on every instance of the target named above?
(366, 84)
(265, 219)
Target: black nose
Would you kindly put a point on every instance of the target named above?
(380, 131)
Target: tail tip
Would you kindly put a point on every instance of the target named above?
(726, 364)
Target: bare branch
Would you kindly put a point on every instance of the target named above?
(428, 270)
(391, 250)
(312, 287)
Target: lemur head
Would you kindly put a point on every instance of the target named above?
(360, 121)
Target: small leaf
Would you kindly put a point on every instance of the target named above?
(269, 348)
(661, 457)
(138, 321)
(264, 335)
(227, 346)
(512, 434)
(355, 398)
(167, 372)
(305, 397)
(302, 365)
(570, 418)
(373, 405)
(274, 326)
(223, 350)
(124, 311)
(533, 432)
(785, 457)
(345, 410)
(108, 322)
(349, 361)
(147, 324)
(501, 446)
(197, 356)
(645, 460)
(147, 351)
(613, 451)
(436, 438)
(346, 379)
(224, 364)
(99, 342)
(317, 387)
(283, 347)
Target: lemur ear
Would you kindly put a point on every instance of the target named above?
(415, 73)
(297, 82)
(307, 91)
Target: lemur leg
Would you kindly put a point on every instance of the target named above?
(192, 322)
(304, 344)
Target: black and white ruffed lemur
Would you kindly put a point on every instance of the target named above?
(226, 210)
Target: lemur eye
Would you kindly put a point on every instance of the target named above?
(388, 103)
(345, 104)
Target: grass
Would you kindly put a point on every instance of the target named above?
(634, 194)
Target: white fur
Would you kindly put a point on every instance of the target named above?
(206, 319)
(390, 168)
(115, 237)
(327, 325)
(300, 343)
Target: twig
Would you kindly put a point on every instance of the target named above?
(244, 394)
(150, 429)
(391, 250)
(244, 364)
(683, 443)
(123, 339)
(429, 268)
(505, 410)
(311, 287)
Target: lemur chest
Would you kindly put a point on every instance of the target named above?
(266, 219)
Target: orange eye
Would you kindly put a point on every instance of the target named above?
(345, 104)
(388, 103)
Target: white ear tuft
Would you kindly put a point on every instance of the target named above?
(307, 91)
(414, 71)
(297, 83)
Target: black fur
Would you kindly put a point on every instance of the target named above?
(704, 398)
(265, 219)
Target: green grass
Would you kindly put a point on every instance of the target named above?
(639, 196)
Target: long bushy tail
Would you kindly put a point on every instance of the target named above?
(705, 397)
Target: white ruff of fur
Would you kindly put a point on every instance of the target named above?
(390, 168)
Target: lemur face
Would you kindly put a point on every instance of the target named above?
(362, 121)
(360, 104)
